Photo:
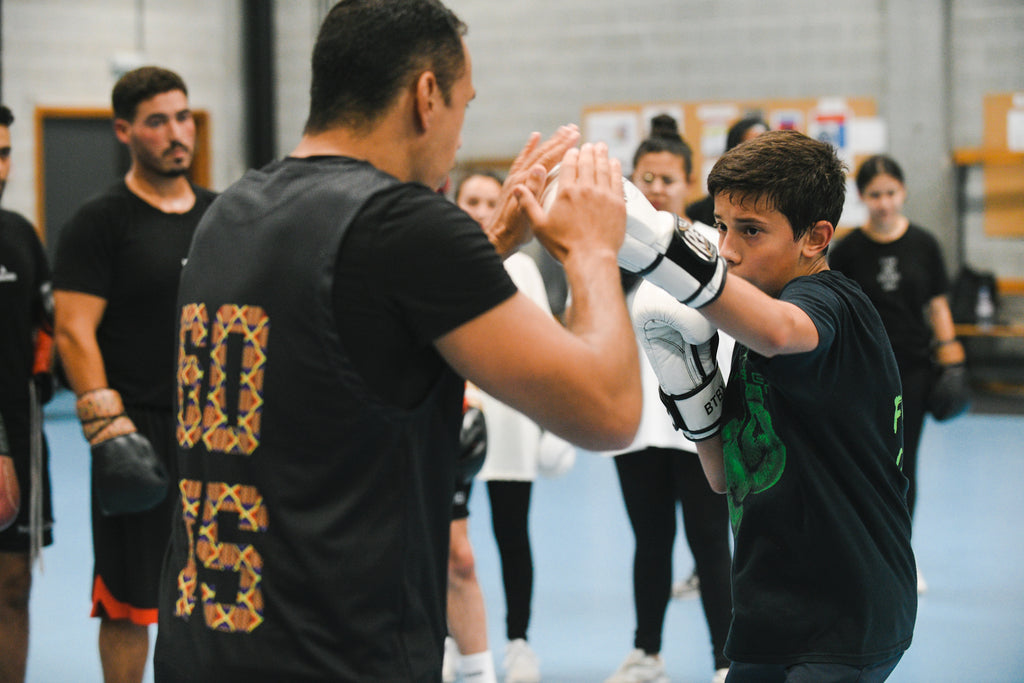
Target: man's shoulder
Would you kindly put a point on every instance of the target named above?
(204, 195)
(14, 220)
(111, 200)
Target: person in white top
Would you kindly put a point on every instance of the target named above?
(516, 449)
(661, 468)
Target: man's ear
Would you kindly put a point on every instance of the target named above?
(817, 239)
(427, 94)
(122, 128)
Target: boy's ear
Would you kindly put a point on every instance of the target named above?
(818, 237)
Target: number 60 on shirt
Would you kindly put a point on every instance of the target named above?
(234, 329)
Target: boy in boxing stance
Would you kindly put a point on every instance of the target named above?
(806, 440)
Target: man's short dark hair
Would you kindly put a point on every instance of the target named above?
(368, 50)
(139, 85)
(6, 117)
(785, 170)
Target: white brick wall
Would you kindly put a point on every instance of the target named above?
(60, 53)
(538, 63)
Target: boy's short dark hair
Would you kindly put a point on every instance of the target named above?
(6, 117)
(139, 85)
(798, 176)
(368, 50)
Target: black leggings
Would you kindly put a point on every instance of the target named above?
(652, 481)
(510, 508)
(916, 378)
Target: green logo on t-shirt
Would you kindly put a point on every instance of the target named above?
(897, 416)
(754, 455)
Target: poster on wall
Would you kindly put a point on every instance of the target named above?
(620, 130)
(1015, 124)
(715, 120)
(786, 119)
(868, 135)
(829, 122)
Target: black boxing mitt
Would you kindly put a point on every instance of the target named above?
(127, 474)
(950, 393)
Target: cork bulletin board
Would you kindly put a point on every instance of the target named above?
(851, 124)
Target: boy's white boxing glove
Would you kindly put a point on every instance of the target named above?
(681, 345)
(662, 248)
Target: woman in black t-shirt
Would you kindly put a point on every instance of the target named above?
(899, 265)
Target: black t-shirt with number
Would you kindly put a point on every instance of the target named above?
(126, 251)
(24, 272)
(900, 278)
(822, 570)
(318, 427)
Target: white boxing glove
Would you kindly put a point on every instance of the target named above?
(662, 248)
(681, 345)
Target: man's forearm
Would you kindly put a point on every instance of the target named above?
(598, 316)
(82, 362)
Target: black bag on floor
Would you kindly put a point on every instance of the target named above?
(965, 291)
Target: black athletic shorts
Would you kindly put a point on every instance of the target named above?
(460, 501)
(128, 550)
(15, 538)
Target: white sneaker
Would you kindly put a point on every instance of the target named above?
(521, 663)
(640, 667)
(720, 676)
(687, 588)
(451, 660)
(922, 585)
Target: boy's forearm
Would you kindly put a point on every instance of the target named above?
(760, 322)
(710, 453)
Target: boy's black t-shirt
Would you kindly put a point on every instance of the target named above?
(823, 569)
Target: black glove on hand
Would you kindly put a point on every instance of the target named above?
(128, 476)
(950, 393)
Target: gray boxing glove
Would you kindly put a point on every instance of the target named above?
(127, 475)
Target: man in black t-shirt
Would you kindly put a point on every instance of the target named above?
(810, 441)
(26, 325)
(116, 275)
(332, 305)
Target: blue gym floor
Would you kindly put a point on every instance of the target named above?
(968, 540)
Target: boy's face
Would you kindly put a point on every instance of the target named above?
(757, 244)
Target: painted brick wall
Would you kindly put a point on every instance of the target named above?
(538, 63)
